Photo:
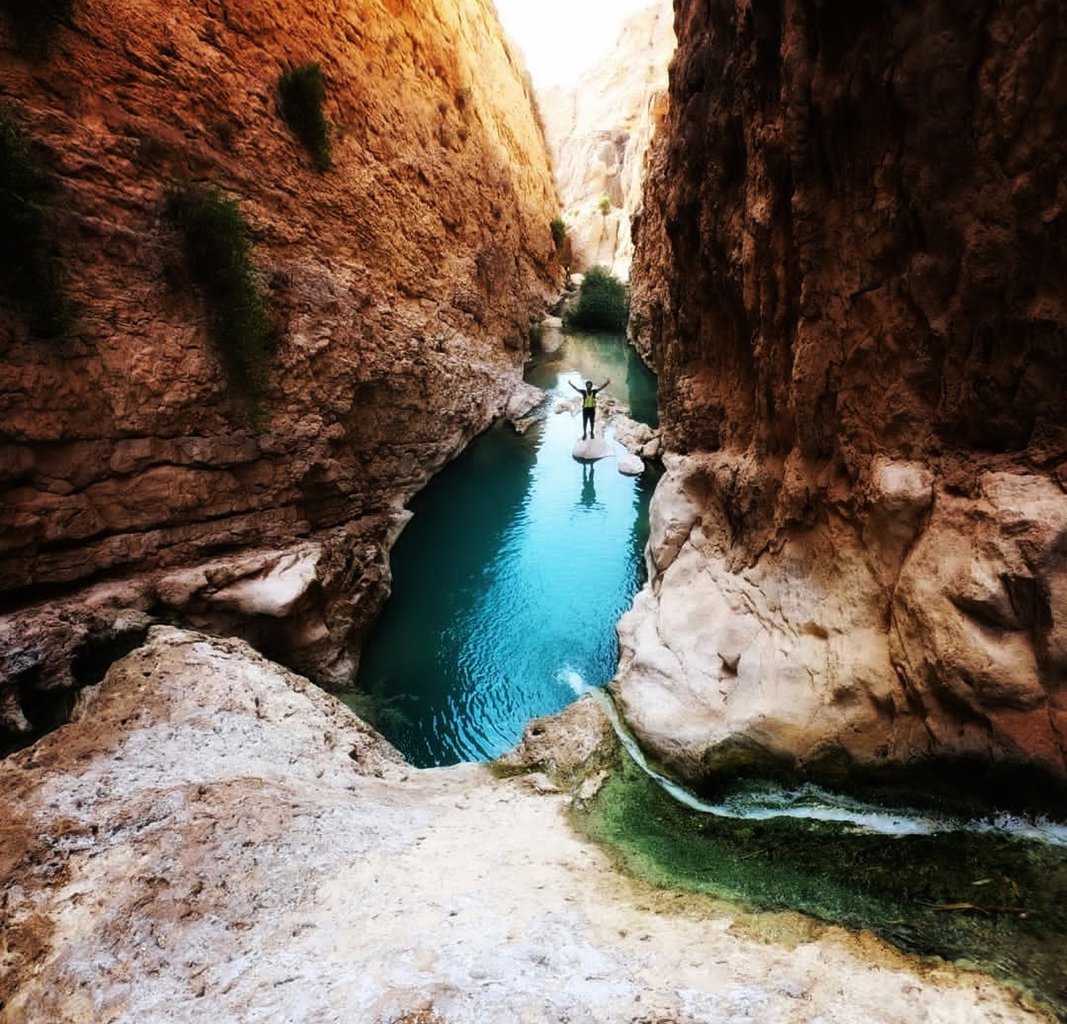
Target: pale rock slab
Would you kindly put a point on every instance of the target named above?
(523, 401)
(213, 838)
(263, 583)
(653, 449)
(631, 434)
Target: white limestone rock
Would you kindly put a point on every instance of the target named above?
(630, 433)
(631, 465)
(258, 583)
(591, 449)
(214, 838)
(825, 643)
(673, 512)
(551, 334)
(522, 401)
(274, 593)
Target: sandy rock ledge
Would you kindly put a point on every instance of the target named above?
(213, 837)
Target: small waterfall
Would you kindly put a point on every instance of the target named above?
(812, 803)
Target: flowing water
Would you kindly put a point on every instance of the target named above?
(511, 575)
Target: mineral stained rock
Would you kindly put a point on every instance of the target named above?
(403, 280)
(848, 277)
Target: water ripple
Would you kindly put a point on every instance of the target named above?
(510, 577)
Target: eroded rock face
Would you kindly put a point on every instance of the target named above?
(404, 278)
(599, 131)
(847, 279)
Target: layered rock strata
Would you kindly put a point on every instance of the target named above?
(849, 279)
(213, 837)
(599, 131)
(403, 280)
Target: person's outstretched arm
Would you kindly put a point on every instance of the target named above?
(576, 388)
(602, 386)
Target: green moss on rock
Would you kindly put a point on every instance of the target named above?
(990, 900)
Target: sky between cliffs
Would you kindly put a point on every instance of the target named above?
(561, 38)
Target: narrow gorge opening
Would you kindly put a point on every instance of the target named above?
(511, 575)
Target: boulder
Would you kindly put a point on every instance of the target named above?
(592, 449)
(631, 434)
(522, 401)
(550, 337)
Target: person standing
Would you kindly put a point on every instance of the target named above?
(589, 404)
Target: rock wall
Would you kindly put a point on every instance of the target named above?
(599, 131)
(849, 278)
(404, 279)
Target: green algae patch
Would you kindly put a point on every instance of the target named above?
(984, 900)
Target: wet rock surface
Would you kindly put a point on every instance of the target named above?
(214, 836)
(846, 278)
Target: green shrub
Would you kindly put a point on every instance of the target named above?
(604, 206)
(218, 248)
(603, 303)
(303, 92)
(29, 265)
(559, 232)
(34, 22)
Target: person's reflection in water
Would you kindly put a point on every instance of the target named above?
(588, 499)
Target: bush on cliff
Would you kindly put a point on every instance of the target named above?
(559, 232)
(218, 248)
(32, 23)
(30, 275)
(303, 93)
(602, 304)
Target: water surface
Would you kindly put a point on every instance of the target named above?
(511, 575)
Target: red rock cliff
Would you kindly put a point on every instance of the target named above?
(404, 276)
(849, 275)
(405, 273)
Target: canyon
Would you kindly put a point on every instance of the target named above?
(848, 254)
(848, 276)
